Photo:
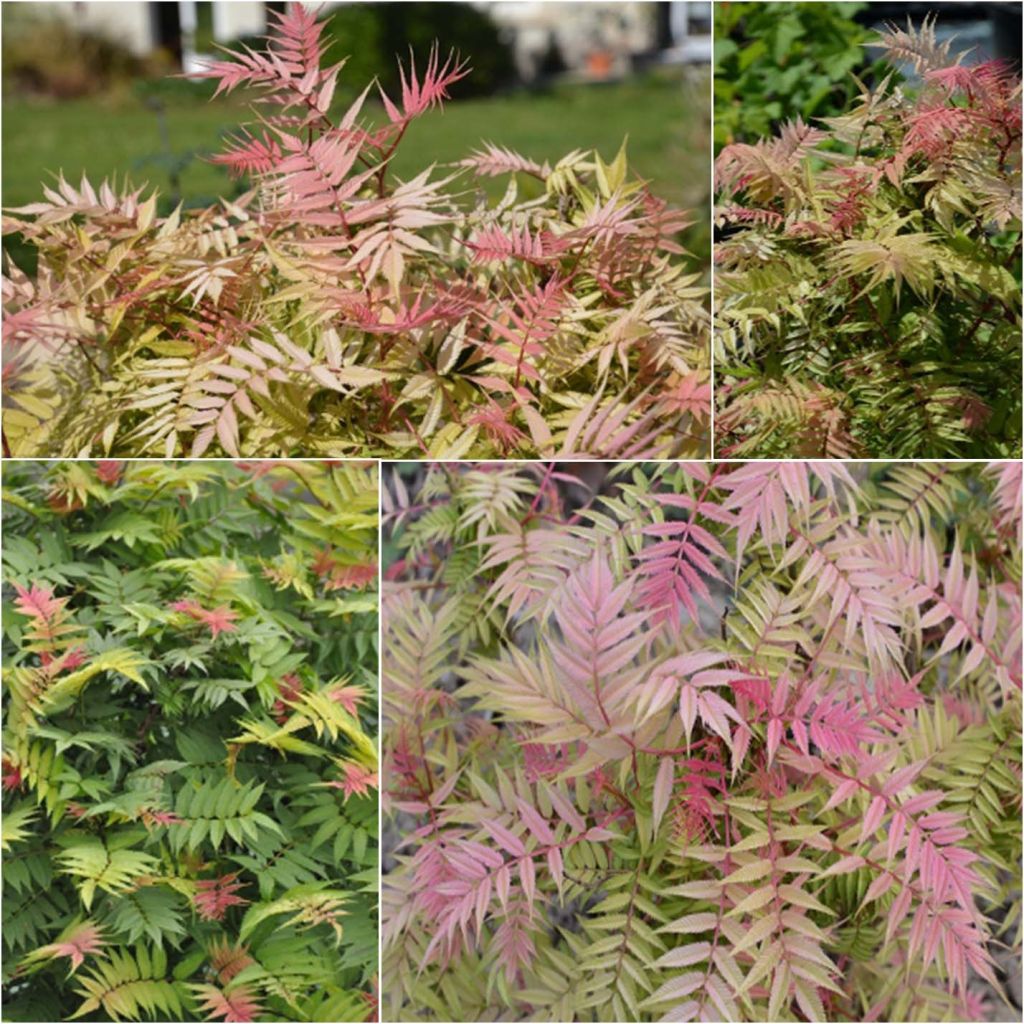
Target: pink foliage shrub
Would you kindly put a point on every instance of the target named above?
(337, 308)
(701, 741)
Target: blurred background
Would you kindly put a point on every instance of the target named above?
(776, 61)
(86, 87)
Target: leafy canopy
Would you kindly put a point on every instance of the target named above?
(701, 741)
(778, 61)
(336, 309)
(868, 295)
(189, 812)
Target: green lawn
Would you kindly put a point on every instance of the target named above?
(665, 115)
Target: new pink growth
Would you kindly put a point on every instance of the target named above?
(338, 575)
(12, 777)
(165, 818)
(496, 421)
(289, 687)
(71, 659)
(38, 602)
(109, 470)
(228, 959)
(252, 155)
(349, 697)
(214, 896)
(241, 1004)
(219, 620)
(420, 95)
(358, 781)
(76, 942)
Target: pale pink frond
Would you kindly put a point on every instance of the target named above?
(239, 1004)
(419, 94)
(493, 160)
(214, 896)
(78, 940)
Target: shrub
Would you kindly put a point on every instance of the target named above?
(370, 34)
(44, 55)
(707, 741)
(336, 309)
(189, 826)
(775, 62)
(868, 300)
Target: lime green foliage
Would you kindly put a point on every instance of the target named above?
(697, 741)
(778, 61)
(179, 867)
(868, 295)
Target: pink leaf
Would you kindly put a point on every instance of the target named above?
(774, 737)
(528, 878)
(897, 830)
(662, 791)
(504, 838)
(716, 713)
(688, 709)
(873, 818)
(566, 811)
(845, 865)
(535, 823)
(882, 884)
(554, 859)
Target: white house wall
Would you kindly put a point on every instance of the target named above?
(579, 29)
(238, 18)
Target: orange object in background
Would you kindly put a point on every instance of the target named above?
(599, 63)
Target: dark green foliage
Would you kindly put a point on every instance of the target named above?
(778, 61)
(371, 34)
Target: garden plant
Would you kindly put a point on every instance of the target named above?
(778, 61)
(189, 754)
(335, 308)
(868, 293)
(702, 741)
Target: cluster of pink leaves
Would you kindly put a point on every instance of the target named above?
(958, 102)
(840, 732)
(214, 896)
(369, 257)
(218, 620)
(76, 942)
(358, 780)
(240, 1004)
(224, 1000)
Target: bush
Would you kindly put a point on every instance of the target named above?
(46, 56)
(370, 34)
(189, 826)
(775, 62)
(336, 309)
(701, 741)
(868, 281)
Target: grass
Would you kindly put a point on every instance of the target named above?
(665, 115)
